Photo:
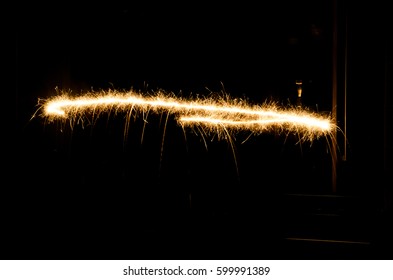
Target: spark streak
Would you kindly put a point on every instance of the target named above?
(213, 114)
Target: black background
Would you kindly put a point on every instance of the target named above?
(89, 192)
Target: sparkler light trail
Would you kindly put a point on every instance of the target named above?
(214, 114)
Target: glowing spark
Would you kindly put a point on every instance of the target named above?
(211, 113)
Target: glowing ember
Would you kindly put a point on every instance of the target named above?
(214, 114)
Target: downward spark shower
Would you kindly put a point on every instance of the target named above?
(213, 114)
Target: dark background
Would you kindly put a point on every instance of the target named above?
(88, 192)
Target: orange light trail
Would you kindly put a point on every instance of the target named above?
(210, 113)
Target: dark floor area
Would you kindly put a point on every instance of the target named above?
(289, 226)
